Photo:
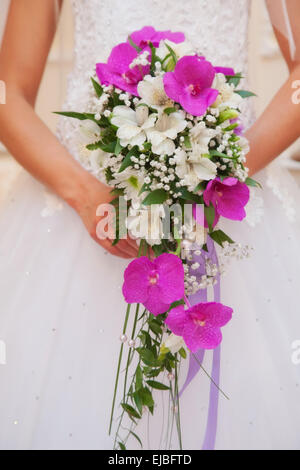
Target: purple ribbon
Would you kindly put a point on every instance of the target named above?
(196, 359)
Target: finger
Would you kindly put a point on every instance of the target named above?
(107, 245)
(133, 246)
(125, 247)
(132, 243)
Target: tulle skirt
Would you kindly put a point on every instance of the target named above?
(61, 315)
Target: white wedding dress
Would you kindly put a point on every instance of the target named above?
(60, 294)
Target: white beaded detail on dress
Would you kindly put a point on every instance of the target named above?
(219, 31)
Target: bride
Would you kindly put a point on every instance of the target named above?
(60, 292)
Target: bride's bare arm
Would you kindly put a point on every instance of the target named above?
(279, 126)
(28, 37)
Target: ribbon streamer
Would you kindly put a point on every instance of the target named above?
(196, 360)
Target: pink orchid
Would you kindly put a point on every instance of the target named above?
(117, 71)
(229, 197)
(156, 284)
(225, 70)
(148, 34)
(200, 325)
(190, 84)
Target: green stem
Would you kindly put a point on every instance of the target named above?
(118, 370)
(126, 401)
(216, 385)
(178, 407)
(129, 352)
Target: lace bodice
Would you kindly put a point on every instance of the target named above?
(218, 28)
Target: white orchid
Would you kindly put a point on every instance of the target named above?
(200, 137)
(152, 93)
(227, 96)
(165, 131)
(132, 124)
(181, 49)
(193, 171)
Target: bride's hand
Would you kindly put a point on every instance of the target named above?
(90, 195)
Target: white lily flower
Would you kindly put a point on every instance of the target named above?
(182, 49)
(200, 136)
(193, 171)
(165, 131)
(89, 131)
(174, 343)
(132, 124)
(132, 182)
(227, 96)
(146, 222)
(95, 160)
(152, 93)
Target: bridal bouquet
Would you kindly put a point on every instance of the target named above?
(163, 130)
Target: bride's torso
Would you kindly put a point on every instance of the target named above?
(218, 28)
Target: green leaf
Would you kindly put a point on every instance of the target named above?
(153, 57)
(215, 153)
(127, 160)
(190, 197)
(97, 87)
(143, 188)
(251, 182)
(172, 52)
(156, 329)
(138, 378)
(169, 111)
(227, 114)
(117, 192)
(130, 410)
(146, 338)
(146, 397)
(182, 353)
(153, 373)
(134, 45)
(245, 93)
(187, 142)
(220, 237)
(234, 79)
(147, 356)
(200, 186)
(177, 303)
(137, 438)
(209, 213)
(95, 146)
(231, 127)
(74, 115)
(158, 196)
(158, 250)
(109, 148)
(118, 148)
(121, 445)
(157, 385)
(138, 401)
